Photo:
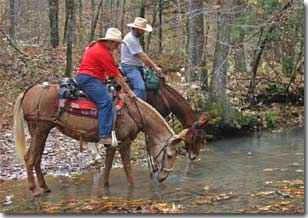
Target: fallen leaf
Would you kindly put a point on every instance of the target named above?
(282, 203)
(266, 193)
(265, 208)
(267, 170)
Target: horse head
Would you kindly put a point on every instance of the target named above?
(194, 138)
(161, 141)
(164, 157)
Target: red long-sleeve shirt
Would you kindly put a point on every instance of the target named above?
(98, 62)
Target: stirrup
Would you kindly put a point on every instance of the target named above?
(114, 140)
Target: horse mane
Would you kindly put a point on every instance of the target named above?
(180, 106)
(147, 106)
(155, 112)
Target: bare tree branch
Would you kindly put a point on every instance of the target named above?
(12, 44)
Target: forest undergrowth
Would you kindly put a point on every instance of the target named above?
(276, 108)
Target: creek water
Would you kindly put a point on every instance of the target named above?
(240, 167)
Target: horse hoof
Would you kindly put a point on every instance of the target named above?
(36, 194)
(130, 185)
(46, 190)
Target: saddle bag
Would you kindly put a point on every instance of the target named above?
(69, 89)
(151, 80)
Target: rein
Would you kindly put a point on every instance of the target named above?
(150, 159)
(193, 144)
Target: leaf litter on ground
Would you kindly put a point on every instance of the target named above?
(111, 205)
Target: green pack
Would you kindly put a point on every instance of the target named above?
(151, 80)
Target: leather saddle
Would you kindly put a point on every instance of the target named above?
(75, 101)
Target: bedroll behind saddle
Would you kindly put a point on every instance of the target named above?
(75, 101)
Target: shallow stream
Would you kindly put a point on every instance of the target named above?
(248, 173)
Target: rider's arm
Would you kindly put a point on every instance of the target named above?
(120, 80)
(147, 61)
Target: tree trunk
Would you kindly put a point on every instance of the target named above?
(111, 14)
(252, 86)
(70, 32)
(116, 17)
(94, 23)
(160, 26)
(53, 21)
(178, 18)
(240, 55)
(93, 6)
(221, 55)
(67, 8)
(12, 19)
(142, 14)
(238, 39)
(204, 77)
(74, 22)
(153, 23)
(123, 15)
(101, 23)
(80, 23)
(195, 38)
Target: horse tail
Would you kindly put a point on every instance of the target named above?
(19, 131)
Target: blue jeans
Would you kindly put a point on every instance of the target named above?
(98, 92)
(135, 75)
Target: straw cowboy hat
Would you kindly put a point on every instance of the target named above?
(112, 34)
(141, 23)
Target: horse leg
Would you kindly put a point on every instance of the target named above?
(37, 163)
(110, 152)
(124, 149)
(29, 161)
(94, 151)
(34, 155)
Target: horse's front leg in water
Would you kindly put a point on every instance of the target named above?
(110, 151)
(124, 149)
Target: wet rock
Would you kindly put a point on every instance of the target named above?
(283, 195)
(8, 200)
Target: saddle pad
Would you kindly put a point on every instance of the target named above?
(85, 107)
(82, 104)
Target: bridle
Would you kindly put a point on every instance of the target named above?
(193, 129)
(151, 160)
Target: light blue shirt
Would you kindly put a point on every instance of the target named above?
(129, 52)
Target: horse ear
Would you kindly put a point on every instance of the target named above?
(183, 133)
(203, 121)
(176, 139)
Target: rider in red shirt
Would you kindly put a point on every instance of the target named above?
(96, 66)
(98, 62)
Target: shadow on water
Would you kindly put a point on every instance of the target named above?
(240, 166)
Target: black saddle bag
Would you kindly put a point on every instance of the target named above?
(69, 89)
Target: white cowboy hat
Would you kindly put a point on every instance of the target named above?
(112, 34)
(141, 23)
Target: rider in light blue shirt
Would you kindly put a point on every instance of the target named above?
(133, 57)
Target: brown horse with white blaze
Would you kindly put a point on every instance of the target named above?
(37, 106)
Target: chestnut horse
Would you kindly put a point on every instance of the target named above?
(37, 106)
(167, 100)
